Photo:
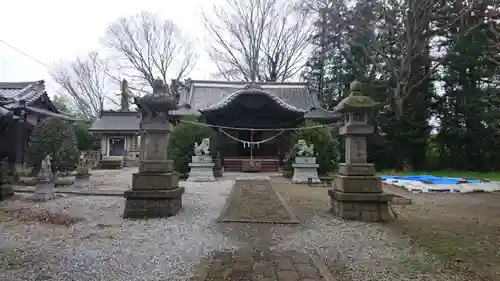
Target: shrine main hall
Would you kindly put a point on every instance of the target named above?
(229, 105)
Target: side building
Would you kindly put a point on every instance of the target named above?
(118, 132)
(22, 106)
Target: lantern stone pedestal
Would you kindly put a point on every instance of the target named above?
(82, 181)
(201, 169)
(358, 192)
(82, 176)
(305, 168)
(44, 190)
(155, 188)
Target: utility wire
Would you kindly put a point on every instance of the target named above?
(23, 53)
(50, 69)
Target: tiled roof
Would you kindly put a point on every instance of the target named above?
(116, 121)
(230, 98)
(12, 93)
(205, 94)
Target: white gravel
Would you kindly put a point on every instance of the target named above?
(105, 247)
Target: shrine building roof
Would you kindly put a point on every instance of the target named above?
(205, 95)
(30, 96)
(116, 122)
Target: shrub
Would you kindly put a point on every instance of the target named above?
(326, 147)
(54, 138)
(83, 136)
(181, 143)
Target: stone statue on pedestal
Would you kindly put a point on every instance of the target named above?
(305, 168)
(201, 166)
(82, 176)
(45, 170)
(155, 188)
(358, 191)
(44, 189)
(202, 148)
(303, 149)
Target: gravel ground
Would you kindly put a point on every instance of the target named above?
(113, 179)
(103, 246)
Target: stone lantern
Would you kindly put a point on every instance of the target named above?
(155, 188)
(358, 192)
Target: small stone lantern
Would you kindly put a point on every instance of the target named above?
(155, 188)
(358, 192)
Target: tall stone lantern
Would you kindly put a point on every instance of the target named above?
(358, 194)
(155, 188)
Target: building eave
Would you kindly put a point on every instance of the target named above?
(230, 98)
(48, 113)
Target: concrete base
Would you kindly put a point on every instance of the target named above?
(201, 172)
(44, 191)
(82, 181)
(303, 171)
(357, 169)
(155, 166)
(371, 207)
(6, 191)
(155, 181)
(358, 194)
(358, 184)
(153, 195)
(152, 203)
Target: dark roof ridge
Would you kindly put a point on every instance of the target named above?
(245, 82)
(20, 85)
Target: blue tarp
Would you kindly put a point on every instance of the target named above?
(434, 179)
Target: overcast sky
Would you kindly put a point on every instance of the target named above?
(54, 30)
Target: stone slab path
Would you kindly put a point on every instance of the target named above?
(255, 265)
(256, 201)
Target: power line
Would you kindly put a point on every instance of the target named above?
(23, 53)
(49, 68)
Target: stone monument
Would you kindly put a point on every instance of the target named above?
(305, 166)
(358, 194)
(44, 189)
(155, 188)
(201, 166)
(82, 176)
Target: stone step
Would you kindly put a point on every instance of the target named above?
(234, 165)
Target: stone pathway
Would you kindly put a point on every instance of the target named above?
(248, 265)
(256, 201)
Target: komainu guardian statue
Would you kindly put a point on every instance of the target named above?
(303, 149)
(202, 148)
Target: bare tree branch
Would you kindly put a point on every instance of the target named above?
(258, 40)
(147, 47)
(403, 35)
(84, 80)
(493, 18)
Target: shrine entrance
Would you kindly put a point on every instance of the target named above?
(250, 122)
